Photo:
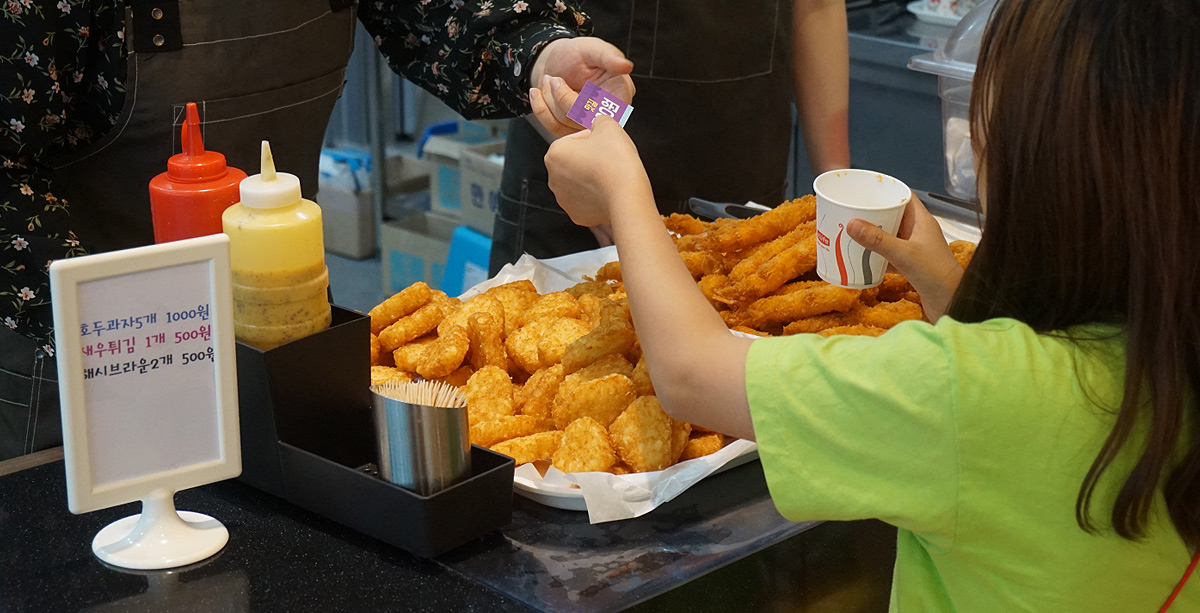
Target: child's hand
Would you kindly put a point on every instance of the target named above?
(596, 170)
(919, 252)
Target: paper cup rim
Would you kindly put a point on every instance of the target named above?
(819, 194)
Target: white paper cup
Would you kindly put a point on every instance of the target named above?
(843, 195)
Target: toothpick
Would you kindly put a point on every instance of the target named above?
(427, 393)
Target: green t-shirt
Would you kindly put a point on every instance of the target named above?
(972, 439)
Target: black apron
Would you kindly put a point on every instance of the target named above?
(257, 70)
(711, 119)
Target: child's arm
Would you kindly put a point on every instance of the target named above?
(697, 365)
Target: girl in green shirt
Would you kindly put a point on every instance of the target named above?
(1036, 444)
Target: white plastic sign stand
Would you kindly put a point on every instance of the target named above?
(148, 387)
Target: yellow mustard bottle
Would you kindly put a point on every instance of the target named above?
(277, 254)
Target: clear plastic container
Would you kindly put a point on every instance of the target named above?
(954, 64)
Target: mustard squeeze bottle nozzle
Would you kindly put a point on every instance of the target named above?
(188, 199)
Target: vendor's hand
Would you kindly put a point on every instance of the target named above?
(919, 252)
(594, 171)
(561, 70)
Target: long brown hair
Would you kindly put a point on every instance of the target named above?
(1090, 116)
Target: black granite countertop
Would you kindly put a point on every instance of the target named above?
(282, 558)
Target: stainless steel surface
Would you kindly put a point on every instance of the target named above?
(422, 448)
(950, 207)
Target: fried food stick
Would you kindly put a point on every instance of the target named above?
(764, 226)
(749, 265)
(816, 300)
(883, 315)
(701, 263)
(684, 225)
(775, 272)
(853, 330)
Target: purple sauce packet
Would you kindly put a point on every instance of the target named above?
(592, 101)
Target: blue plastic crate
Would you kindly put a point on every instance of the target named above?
(467, 261)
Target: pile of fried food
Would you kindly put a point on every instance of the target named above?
(760, 274)
(560, 377)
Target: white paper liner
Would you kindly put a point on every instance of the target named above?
(608, 497)
(614, 497)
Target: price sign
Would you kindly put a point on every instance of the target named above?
(146, 372)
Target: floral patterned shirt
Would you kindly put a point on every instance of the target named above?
(62, 73)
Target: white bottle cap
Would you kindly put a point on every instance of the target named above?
(269, 189)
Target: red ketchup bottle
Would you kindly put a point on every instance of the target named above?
(187, 200)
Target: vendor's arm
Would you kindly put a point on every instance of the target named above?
(62, 72)
(478, 56)
(821, 72)
(697, 365)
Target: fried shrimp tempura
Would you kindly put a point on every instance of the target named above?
(712, 286)
(403, 303)
(701, 263)
(852, 330)
(821, 298)
(759, 256)
(893, 287)
(684, 225)
(764, 226)
(526, 449)
(882, 315)
(775, 272)
(585, 447)
(749, 330)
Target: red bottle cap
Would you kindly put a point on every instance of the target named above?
(187, 200)
(194, 164)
